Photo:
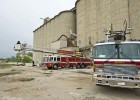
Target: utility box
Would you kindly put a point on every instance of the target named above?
(59, 44)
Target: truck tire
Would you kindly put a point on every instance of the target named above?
(55, 66)
(82, 66)
(71, 67)
(78, 66)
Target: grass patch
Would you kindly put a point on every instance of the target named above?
(3, 66)
(48, 74)
(26, 79)
(51, 71)
(12, 89)
(13, 70)
(90, 98)
(79, 88)
(9, 73)
(84, 73)
(43, 68)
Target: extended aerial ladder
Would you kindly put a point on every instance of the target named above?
(22, 48)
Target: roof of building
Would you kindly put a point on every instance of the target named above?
(71, 10)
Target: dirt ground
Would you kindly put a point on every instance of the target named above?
(35, 83)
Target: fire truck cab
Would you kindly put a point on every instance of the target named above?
(51, 62)
(117, 69)
(117, 63)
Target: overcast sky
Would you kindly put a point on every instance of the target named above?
(19, 18)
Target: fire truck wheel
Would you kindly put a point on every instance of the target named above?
(78, 66)
(55, 67)
(71, 66)
(82, 66)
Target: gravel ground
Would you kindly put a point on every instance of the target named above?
(62, 84)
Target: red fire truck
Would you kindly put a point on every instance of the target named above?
(117, 63)
(65, 59)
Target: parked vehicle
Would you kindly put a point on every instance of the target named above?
(63, 61)
(117, 63)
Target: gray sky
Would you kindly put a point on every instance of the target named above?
(19, 18)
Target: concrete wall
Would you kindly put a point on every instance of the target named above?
(93, 16)
(61, 24)
(37, 44)
(59, 44)
(134, 14)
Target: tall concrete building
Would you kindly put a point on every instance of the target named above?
(91, 19)
(134, 16)
(95, 16)
(51, 30)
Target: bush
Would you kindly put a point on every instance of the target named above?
(26, 59)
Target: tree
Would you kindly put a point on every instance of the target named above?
(24, 58)
(11, 59)
(27, 59)
(21, 58)
(30, 54)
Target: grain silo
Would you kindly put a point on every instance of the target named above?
(95, 16)
(134, 15)
(34, 45)
(38, 37)
(80, 16)
(52, 29)
(61, 24)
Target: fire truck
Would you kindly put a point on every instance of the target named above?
(65, 59)
(117, 63)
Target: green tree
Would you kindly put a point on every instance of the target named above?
(30, 54)
(24, 58)
(27, 59)
(11, 59)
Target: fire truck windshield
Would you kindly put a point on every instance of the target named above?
(45, 59)
(126, 51)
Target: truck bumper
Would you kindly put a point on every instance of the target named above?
(124, 82)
